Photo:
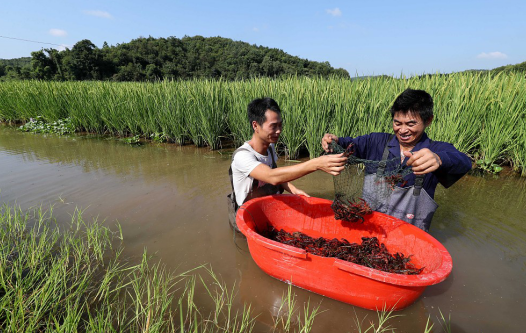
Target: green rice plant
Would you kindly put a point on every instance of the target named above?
(445, 323)
(31, 98)
(85, 102)
(457, 102)
(7, 109)
(317, 112)
(223, 317)
(205, 112)
(363, 107)
(143, 102)
(519, 151)
(171, 110)
(212, 110)
(240, 94)
(383, 316)
(481, 115)
(74, 278)
(289, 318)
(502, 114)
(291, 96)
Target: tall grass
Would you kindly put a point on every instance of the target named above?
(481, 115)
(76, 279)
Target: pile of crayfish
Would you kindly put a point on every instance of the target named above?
(370, 253)
(350, 211)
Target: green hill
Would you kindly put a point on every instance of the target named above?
(518, 68)
(146, 59)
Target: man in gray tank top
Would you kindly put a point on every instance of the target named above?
(254, 172)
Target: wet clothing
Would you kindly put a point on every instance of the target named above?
(414, 202)
(244, 187)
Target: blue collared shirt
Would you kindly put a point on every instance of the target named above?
(454, 163)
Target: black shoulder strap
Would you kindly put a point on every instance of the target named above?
(383, 163)
(274, 165)
(419, 183)
(230, 172)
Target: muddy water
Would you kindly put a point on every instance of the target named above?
(171, 200)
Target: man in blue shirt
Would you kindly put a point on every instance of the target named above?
(432, 162)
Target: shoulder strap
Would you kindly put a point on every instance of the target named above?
(274, 165)
(230, 172)
(419, 183)
(381, 166)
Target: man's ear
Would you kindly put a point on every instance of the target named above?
(254, 125)
(429, 121)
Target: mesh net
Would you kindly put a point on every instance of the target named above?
(357, 195)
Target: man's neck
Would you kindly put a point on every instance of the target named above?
(258, 145)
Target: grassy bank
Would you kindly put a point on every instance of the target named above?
(483, 116)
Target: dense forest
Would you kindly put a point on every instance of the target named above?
(149, 59)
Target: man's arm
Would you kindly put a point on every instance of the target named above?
(448, 163)
(331, 164)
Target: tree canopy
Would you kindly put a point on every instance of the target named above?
(149, 59)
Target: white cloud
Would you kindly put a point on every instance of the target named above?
(57, 32)
(492, 55)
(98, 13)
(334, 12)
(255, 29)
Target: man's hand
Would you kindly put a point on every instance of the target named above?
(327, 139)
(423, 161)
(294, 190)
(332, 164)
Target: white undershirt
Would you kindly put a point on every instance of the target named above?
(242, 165)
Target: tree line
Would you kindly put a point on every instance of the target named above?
(151, 59)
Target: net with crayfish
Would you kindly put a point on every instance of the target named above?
(351, 203)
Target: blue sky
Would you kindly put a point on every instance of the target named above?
(364, 37)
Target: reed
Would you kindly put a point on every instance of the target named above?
(482, 115)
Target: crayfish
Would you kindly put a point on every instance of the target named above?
(350, 211)
(370, 253)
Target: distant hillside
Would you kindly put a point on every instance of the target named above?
(146, 59)
(518, 68)
(20, 62)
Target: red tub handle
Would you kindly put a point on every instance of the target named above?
(363, 271)
(287, 249)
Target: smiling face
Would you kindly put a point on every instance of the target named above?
(270, 130)
(408, 128)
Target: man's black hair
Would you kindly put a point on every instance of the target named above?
(257, 108)
(414, 101)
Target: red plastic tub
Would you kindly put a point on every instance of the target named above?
(347, 282)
